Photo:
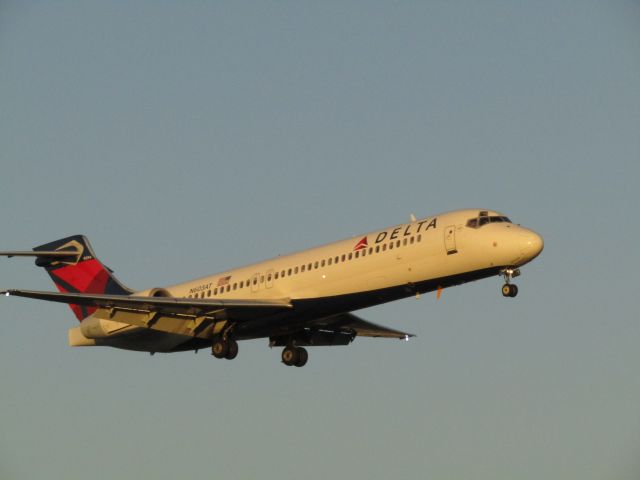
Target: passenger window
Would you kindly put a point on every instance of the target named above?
(302, 268)
(419, 237)
(404, 242)
(295, 270)
(344, 257)
(397, 243)
(235, 286)
(357, 253)
(289, 272)
(336, 260)
(377, 248)
(384, 247)
(391, 246)
(315, 265)
(277, 275)
(364, 252)
(350, 256)
(370, 250)
(322, 263)
(215, 291)
(309, 267)
(329, 261)
(208, 293)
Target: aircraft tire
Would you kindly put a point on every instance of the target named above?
(514, 290)
(220, 348)
(290, 356)
(303, 356)
(506, 290)
(232, 349)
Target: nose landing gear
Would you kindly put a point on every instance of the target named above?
(509, 289)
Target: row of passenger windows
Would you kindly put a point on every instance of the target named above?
(345, 257)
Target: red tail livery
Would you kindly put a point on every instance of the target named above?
(81, 272)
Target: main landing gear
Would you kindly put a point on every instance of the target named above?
(224, 348)
(509, 289)
(297, 356)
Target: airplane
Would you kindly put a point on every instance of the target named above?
(298, 300)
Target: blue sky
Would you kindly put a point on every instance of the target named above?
(185, 138)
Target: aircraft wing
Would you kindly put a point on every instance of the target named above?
(349, 322)
(174, 315)
(164, 305)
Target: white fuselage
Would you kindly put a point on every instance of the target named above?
(379, 266)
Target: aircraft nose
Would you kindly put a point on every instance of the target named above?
(531, 244)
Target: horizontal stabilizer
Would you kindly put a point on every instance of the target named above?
(41, 254)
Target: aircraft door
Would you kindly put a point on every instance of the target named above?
(450, 240)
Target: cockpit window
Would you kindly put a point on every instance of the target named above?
(499, 219)
(484, 218)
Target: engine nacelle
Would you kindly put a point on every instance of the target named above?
(77, 339)
(93, 327)
(155, 292)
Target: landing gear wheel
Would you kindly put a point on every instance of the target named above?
(303, 356)
(232, 349)
(220, 348)
(290, 356)
(509, 290)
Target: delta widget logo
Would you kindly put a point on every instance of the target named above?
(361, 244)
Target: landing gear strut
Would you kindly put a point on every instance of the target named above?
(297, 356)
(224, 348)
(509, 289)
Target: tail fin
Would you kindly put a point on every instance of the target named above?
(79, 273)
